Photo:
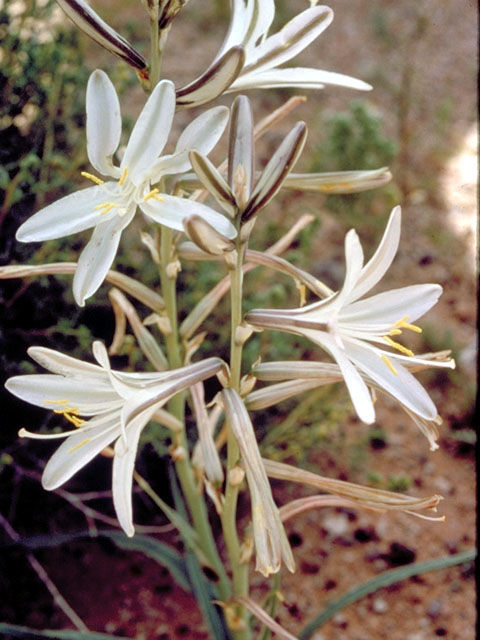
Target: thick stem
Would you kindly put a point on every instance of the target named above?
(229, 513)
(176, 406)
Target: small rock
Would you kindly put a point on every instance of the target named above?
(418, 635)
(380, 605)
(336, 525)
(339, 620)
(434, 609)
(443, 485)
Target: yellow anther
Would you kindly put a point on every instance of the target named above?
(403, 324)
(104, 208)
(93, 178)
(61, 402)
(395, 332)
(153, 194)
(412, 327)
(389, 365)
(398, 346)
(123, 176)
(79, 445)
(75, 420)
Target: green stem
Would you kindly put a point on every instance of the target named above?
(176, 406)
(229, 513)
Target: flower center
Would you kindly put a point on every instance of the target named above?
(396, 330)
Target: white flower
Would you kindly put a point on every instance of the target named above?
(110, 206)
(249, 26)
(357, 333)
(121, 404)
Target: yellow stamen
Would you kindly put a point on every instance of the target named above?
(75, 420)
(69, 413)
(389, 365)
(412, 327)
(402, 323)
(398, 346)
(395, 332)
(80, 444)
(91, 177)
(104, 208)
(123, 177)
(153, 194)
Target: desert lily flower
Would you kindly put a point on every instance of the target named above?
(104, 406)
(271, 542)
(110, 205)
(299, 377)
(358, 333)
(249, 26)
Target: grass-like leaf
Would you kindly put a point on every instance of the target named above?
(17, 631)
(385, 579)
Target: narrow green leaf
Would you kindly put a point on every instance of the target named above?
(385, 579)
(18, 631)
(205, 595)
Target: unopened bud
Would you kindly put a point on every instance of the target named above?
(178, 453)
(173, 269)
(205, 236)
(163, 323)
(242, 334)
(240, 187)
(236, 476)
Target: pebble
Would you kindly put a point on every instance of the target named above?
(443, 485)
(339, 619)
(434, 609)
(380, 605)
(336, 525)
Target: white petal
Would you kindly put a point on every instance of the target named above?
(79, 449)
(295, 36)
(390, 306)
(357, 388)
(104, 123)
(238, 26)
(55, 392)
(97, 257)
(171, 212)
(353, 266)
(123, 465)
(202, 135)
(57, 362)
(76, 212)
(403, 386)
(381, 260)
(150, 132)
(300, 77)
(260, 17)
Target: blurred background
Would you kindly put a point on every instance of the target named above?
(420, 120)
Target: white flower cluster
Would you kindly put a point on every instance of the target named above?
(360, 334)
